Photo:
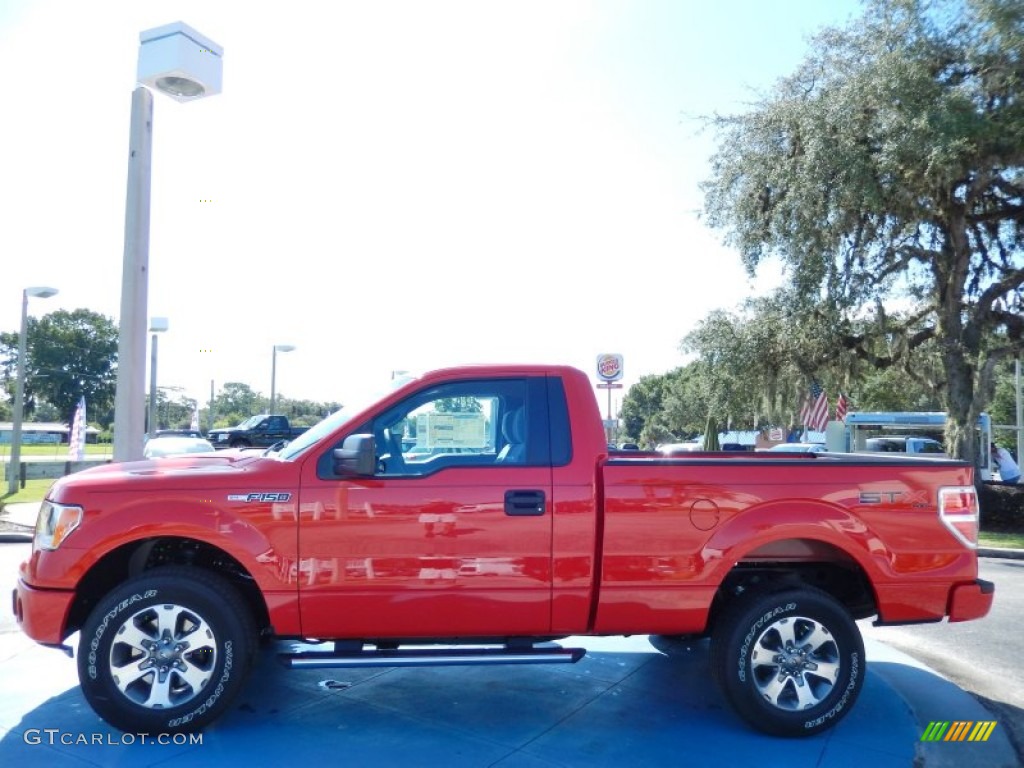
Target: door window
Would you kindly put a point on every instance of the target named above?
(458, 424)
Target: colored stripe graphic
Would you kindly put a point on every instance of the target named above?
(982, 731)
(958, 730)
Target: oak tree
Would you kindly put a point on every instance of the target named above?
(887, 173)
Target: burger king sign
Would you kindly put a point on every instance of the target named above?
(609, 367)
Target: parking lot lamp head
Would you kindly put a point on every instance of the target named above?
(180, 62)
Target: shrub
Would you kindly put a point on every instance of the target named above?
(1002, 508)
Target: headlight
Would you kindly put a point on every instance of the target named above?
(221, 438)
(54, 524)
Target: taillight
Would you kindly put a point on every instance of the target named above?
(959, 512)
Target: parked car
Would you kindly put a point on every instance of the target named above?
(671, 449)
(178, 433)
(905, 445)
(798, 448)
(174, 445)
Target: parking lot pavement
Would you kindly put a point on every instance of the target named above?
(18, 521)
(631, 702)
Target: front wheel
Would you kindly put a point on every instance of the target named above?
(166, 652)
(791, 663)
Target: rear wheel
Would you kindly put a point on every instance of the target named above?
(166, 652)
(791, 663)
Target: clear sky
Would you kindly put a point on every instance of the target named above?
(389, 185)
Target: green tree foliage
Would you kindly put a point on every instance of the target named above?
(667, 408)
(888, 171)
(173, 412)
(235, 403)
(762, 358)
(70, 355)
(305, 413)
(752, 369)
(1004, 405)
(686, 402)
(751, 363)
(458, 405)
(642, 407)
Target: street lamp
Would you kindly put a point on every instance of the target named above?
(14, 466)
(180, 62)
(273, 372)
(156, 325)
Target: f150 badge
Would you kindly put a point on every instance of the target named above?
(263, 497)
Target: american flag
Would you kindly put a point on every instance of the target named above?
(814, 413)
(76, 446)
(841, 407)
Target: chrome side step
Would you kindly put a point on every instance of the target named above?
(428, 657)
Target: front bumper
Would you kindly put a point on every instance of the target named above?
(42, 613)
(970, 601)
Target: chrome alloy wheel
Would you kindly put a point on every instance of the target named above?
(795, 663)
(163, 656)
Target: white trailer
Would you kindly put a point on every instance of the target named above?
(861, 425)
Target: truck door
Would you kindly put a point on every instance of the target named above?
(451, 535)
(275, 428)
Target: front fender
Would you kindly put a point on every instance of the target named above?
(261, 537)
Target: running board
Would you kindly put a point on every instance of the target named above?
(429, 657)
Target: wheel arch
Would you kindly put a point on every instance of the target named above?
(135, 557)
(794, 543)
(788, 563)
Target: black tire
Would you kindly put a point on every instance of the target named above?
(790, 663)
(241, 444)
(186, 637)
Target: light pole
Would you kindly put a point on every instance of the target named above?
(156, 325)
(180, 62)
(14, 466)
(273, 372)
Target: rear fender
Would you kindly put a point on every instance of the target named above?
(787, 532)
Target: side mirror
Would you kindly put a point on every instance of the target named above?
(357, 456)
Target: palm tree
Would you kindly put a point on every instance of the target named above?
(711, 435)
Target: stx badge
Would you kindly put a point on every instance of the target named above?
(262, 497)
(910, 498)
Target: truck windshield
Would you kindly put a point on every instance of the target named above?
(251, 422)
(343, 415)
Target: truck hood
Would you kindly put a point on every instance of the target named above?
(206, 470)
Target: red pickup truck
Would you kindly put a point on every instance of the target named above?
(474, 515)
